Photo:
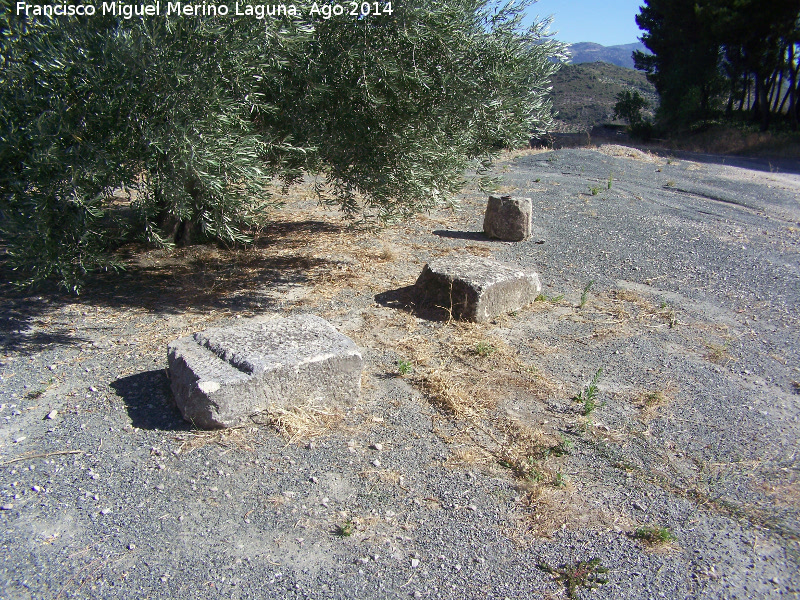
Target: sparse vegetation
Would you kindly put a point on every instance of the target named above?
(404, 367)
(345, 529)
(718, 353)
(650, 400)
(584, 94)
(587, 574)
(588, 395)
(484, 349)
(585, 293)
(551, 299)
(560, 449)
(654, 535)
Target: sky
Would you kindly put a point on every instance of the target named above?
(606, 22)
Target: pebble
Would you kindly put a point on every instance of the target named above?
(36, 488)
(377, 447)
(6, 507)
(20, 438)
(105, 511)
(376, 463)
(52, 414)
(414, 563)
(131, 546)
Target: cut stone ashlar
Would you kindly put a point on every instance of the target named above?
(223, 375)
(508, 218)
(476, 289)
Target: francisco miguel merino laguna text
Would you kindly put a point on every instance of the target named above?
(353, 8)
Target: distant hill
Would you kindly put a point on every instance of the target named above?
(588, 52)
(584, 94)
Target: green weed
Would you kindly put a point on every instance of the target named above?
(588, 574)
(345, 529)
(588, 395)
(610, 179)
(654, 535)
(551, 299)
(404, 367)
(484, 349)
(594, 189)
(560, 449)
(585, 293)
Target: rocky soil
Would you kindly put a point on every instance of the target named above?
(632, 434)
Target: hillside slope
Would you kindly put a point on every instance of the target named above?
(584, 94)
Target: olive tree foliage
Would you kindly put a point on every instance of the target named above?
(196, 116)
(398, 107)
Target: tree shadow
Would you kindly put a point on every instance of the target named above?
(20, 330)
(149, 402)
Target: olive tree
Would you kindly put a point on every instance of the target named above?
(196, 115)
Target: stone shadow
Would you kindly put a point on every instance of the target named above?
(406, 299)
(149, 401)
(475, 236)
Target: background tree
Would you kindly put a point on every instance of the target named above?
(713, 53)
(197, 115)
(684, 64)
(629, 107)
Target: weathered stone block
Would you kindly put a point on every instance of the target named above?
(508, 218)
(476, 289)
(223, 375)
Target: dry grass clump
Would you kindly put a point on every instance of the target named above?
(718, 353)
(233, 438)
(626, 152)
(649, 401)
(301, 423)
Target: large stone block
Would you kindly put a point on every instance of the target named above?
(508, 218)
(476, 289)
(223, 375)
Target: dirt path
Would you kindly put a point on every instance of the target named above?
(468, 469)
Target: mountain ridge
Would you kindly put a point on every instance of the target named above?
(620, 55)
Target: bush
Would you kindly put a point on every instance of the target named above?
(197, 115)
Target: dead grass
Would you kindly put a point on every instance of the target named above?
(301, 423)
(650, 401)
(507, 155)
(723, 139)
(633, 153)
(718, 353)
(234, 438)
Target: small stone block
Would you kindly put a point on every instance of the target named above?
(476, 289)
(508, 218)
(223, 375)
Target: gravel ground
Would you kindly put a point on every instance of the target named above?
(676, 279)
